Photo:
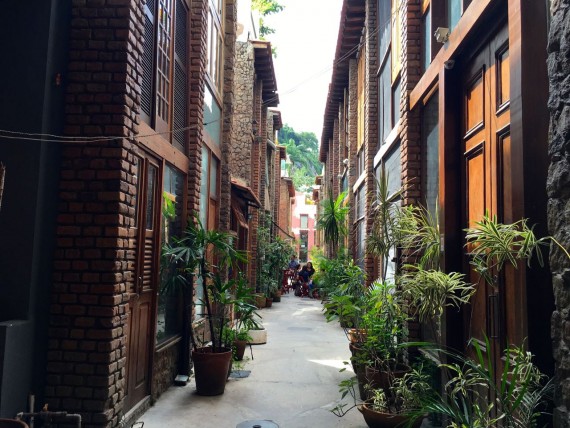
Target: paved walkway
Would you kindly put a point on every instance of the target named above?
(293, 382)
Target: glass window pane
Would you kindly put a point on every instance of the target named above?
(393, 168)
(454, 12)
(384, 33)
(385, 101)
(212, 117)
(214, 178)
(170, 310)
(430, 137)
(304, 221)
(396, 103)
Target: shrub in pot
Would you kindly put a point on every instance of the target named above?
(193, 256)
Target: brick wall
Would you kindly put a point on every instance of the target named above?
(370, 122)
(352, 145)
(410, 139)
(93, 258)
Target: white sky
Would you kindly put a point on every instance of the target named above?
(305, 38)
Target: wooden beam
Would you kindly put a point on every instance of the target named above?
(466, 26)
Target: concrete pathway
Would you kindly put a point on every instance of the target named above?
(293, 382)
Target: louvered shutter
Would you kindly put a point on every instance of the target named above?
(180, 119)
(148, 60)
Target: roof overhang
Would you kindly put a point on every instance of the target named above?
(290, 186)
(282, 152)
(265, 71)
(277, 121)
(319, 180)
(245, 192)
(352, 18)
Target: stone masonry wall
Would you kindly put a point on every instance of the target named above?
(242, 110)
(93, 259)
(558, 188)
(228, 121)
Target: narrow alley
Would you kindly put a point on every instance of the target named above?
(293, 382)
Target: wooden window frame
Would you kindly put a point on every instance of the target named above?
(163, 84)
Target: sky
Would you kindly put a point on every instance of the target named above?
(305, 38)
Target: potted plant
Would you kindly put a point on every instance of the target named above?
(204, 255)
(402, 408)
(472, 397)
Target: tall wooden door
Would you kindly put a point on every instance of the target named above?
(143, 287)
(486, 169)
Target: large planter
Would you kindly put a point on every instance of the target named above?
(258, 337)
(376, 419)
(356, 335)
(211, 370)
(383, 379)
(268, 302)
(277, 296)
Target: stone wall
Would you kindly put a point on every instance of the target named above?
(243, 110)
(558, 188)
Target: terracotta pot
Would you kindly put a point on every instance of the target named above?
(383, 379)
(376, 419)
(268, 302)
(260, 301)
(211, 370)
(240, 349)
(277, 296)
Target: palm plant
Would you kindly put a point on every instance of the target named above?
(203, 254)
(332, 221)
(492, 245)
(517, 398)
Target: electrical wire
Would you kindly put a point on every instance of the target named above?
(53, 138)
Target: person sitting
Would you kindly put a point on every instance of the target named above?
(294, 263)
(304, 279)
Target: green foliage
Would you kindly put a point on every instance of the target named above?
(430, 291)
(492, 244)
(303, 150)
(192, 255)
(519, 395)
(332, 221)
(266, 7)
(273, 254)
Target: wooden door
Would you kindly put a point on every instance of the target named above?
(486, 170)
(143, 288)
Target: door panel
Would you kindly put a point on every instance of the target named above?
(486, 166)
(142, 289)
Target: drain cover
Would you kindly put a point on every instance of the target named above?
(257, 424)
(299, 328)
(240, 374)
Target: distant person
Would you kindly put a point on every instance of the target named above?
(310, 269)
(294, 263)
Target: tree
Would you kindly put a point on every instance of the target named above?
(266, 7)
(303, 150)
(332, 221)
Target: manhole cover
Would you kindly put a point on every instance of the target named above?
(300, 328)
(257, 424)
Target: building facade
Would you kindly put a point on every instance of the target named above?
(449, 98)
(303, 225)
(124, 109)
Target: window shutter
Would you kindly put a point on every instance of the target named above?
(148, 58)
(180, 119)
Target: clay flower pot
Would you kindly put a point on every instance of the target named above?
(211, 370)
(376, 419)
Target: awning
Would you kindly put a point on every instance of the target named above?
(239, 215)
(245, 192)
